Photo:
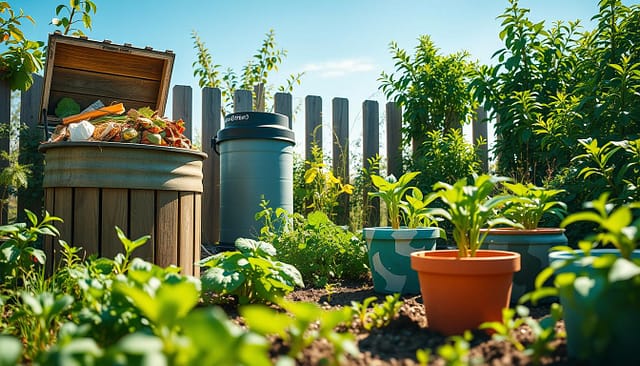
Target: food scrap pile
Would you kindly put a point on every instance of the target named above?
(110, 123)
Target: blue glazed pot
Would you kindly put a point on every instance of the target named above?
(533, 246)
(389, 254)
(601, 323)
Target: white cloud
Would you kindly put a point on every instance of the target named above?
(338, 68)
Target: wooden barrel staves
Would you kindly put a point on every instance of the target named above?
(143, 189)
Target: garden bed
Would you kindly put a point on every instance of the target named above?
(397, 343)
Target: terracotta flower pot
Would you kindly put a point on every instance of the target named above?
(462, 293)
(533, 246)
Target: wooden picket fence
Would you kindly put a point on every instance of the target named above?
(182, 107)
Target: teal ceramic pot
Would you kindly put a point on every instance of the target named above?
(532, 245)
(601, 318)
(389, 253)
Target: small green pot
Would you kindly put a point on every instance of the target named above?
(533, 246)
(601, 324)
(389, 254)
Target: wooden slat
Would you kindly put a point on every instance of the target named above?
(394, 139)
(31, 198)
(340, 138)
(370, 148)
(242, 101)
(63, 204)
(148, 66)
(167, 228)
(115, 209)
(142, 220)
(313, 124)
(479, 130)
(259, 92)
(112, 86)
(211, 119)
(5, 119)
(86, 99)
(186, 232)
(182, 100)
(49, 204)
(283, 104)
(86, 216)
(197, 218)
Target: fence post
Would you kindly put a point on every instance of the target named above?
(394, 139)
(479, 129)
(313, 124)
(5, 119)
(30, 137)
(258, 90)
(211, 120)
(370, 148)
(340, 138)
(182, 102)
(242, 101)
(283, 104)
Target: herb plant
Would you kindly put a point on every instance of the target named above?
(322, 251)
(532, 203)
(470, 208)
(18, 253)
(304, 324)
(380, 315)
(250, 273)
(391, 191)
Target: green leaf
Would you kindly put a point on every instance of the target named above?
(623, 269)
(11, 350)
(255, 316)
(139, 344)
(220, 280)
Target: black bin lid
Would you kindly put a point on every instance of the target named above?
(255, 125)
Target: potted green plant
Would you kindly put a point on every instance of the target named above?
(389, 247)
(599, 289)
(531, 241)
(464, 287)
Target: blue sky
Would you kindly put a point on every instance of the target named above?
(341, 45)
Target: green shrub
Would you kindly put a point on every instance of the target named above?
(444, 157)
(323, 251)
(249, 273)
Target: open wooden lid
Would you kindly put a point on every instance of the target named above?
(88, 70)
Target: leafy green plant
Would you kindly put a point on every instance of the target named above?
(75, 7)
(391, 191)
(614, 166)
(18, 254)
(380, 315)
(249, 273)
(322, 251)
(456, 351)
(447, 156)
(256, 71)
(532, 204)
(360, 208)
(323, 189)
(416, 211)
(22, 57)
(11, 350)
(417, 86)
(544, 332)
(470, 208)
(305, 323)
(40, 315)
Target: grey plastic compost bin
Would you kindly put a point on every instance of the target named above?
(256, 162)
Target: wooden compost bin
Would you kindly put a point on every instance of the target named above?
(95, 186)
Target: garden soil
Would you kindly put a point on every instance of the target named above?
(397, 343)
